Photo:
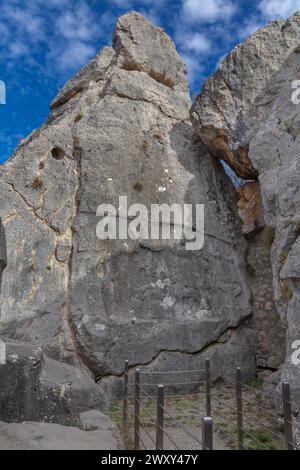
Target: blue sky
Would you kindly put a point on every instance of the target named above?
(44, 42)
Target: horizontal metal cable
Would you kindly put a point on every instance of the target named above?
(270, 430)
(248, 386)
(173, 384)
(244, 431)
(132, 397)
(142, 442)
(189, 416)
(222, 402)
(272, 413)
(294, 445)
(174, 372)
(255, 439)
(196, 394)
(153, 397)
(147, 432)
(144, 391)
(225, 419)
(170, 438)
(181, 426)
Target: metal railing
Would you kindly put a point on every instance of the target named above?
(136, 428)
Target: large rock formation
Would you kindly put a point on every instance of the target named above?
(233, 101)
(37, 388)
(121, 127)
(3, 260)
(45, 436)
(246, 116)
(269, 327)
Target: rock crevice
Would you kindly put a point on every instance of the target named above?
(257, 113)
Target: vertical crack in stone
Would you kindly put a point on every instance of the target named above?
(77, 170)
(3, 255)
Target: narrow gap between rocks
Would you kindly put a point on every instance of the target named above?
(259, 238)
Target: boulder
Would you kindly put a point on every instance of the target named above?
(45, 436)
(35, 387)
(233, 101)
(93, 420)
(185, 373)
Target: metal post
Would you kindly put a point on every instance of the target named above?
(288, 418)
(207, 386)
(207, 434)
(137, 408)
(160, 417)
(239, 409)
(125, 397)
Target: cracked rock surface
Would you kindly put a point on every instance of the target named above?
(249, 102)
(234, 100)
(121, 127)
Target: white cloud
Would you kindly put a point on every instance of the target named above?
(122, 3)
(65, 32)
(76, 54)
(250, 27)
(198, 43)
(24, 21)
(132, 3)
(78, 24)
(194, 68)
(152, 15)
(273, 9)
(17, 50)
(193, 43)
(207, 11)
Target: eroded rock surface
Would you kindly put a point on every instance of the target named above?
(121, 127)
(228, 111)
(250, 207)
(3, 259)
(249, 103)
(45, 436)
(275, 151)
(35, 387)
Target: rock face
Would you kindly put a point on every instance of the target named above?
(280, 187)
(121, 128)
(44, 436)
(269, 327)
(247, 107)
(225, 115)
(2, 252)
(35, 387)
(250, 207)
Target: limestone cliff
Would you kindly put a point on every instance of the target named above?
(122, 127)
(3, 260)
(246, 116)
